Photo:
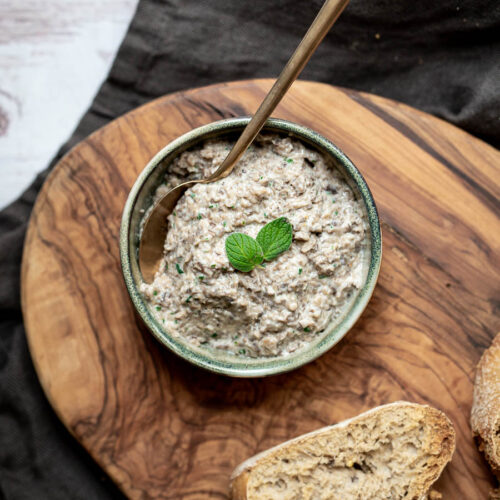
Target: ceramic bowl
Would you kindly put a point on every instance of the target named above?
(220, 362)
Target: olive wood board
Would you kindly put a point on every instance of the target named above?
(162, 428)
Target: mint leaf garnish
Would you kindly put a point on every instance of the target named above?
(275, 237)
(243, 252)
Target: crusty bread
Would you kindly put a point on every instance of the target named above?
(485, 414)
(392, 451)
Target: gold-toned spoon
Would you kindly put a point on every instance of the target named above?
(155, 227)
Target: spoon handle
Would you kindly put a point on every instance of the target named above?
(328, 14)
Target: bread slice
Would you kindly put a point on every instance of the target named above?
(393, 451)
(485, 414)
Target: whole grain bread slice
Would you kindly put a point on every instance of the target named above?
(393, 451)
(485, 413)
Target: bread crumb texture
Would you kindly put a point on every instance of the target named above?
(395, 451)
(485, 414)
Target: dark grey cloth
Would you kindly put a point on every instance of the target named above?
(441, 57)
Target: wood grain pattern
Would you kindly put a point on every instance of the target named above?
(165, 429)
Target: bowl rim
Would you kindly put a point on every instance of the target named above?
(258, 367)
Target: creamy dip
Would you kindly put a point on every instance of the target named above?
(271, 311)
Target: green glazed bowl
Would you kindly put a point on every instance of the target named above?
(140, 198)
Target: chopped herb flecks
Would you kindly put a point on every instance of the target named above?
(158, 308)
(198, 216)
(175, 213)
(323, 276)
(210, 206)
(213, 266)
(179, 269)
(214, 335)
(192, 195)
(189, 298)
(155, 292)
(224, 223)
(300, 270)
(289, 160)
(201, 277)
(307, 329)
(336, 212)
(242, 351)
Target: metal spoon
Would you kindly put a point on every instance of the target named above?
(155, 227)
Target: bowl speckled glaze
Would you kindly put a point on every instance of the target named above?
(140, 198)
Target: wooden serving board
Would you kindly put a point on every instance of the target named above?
(164, 429)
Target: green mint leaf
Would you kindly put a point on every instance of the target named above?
(275, 237)
(243, 252)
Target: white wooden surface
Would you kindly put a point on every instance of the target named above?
(54, 54)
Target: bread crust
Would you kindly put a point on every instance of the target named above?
(443, 437)
(485, 413)
(239, 486)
